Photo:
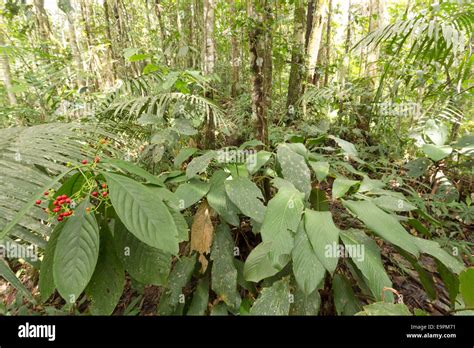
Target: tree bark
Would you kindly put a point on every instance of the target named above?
(209, 61)
(235, 52)
(268, 55)
(6, 74)
(314, 41)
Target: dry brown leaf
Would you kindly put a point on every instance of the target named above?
(202, 233)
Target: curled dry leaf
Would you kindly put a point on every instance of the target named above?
(202, 233)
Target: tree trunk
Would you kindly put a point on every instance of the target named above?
(314, 41)
(235, 51)
(6, 74)
(268, 55)
(297, 60)
(209, 61)
(42, 20)
(328, 43)
(257, 58)
(110, 46)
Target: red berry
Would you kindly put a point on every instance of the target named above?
(63, 197)
(97, 159)
(56, 209)
(60, 218)
(61, 202)
(38, 201)
(88, 209)
(104, 185)
(95, 193)
(55, 202)
(68, 200)
(68, 213)
(104, 194)
(84, 161)
(46, 193)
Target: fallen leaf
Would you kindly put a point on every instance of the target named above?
(202, 233)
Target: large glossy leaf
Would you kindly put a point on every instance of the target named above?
(438, 133)
(281, 221)
(199, 164)
(385, 308)
(341, 186)
(218, 200)
(145, 264)
(76, 253)
(200, 299)
(46, 280)
(433, 249)
(437, 152)
(393, 204)
(466, 286)
(321, 169)
(308, 270)
(183, 155)
(224, 273)
(258, 265)
(131, 168)
(257, 160)
(191, 192)
(344, 298)
(294, 168)
(418, 167)
(323, 236)
(305, 304)
(383, 224)
(365, 254)
(246, 196)
(143, 213)
(273, 300)
(348, 148)
(106, 285)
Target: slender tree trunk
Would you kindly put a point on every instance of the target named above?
(110, 46)
(235, 52)
(257, 57)
(314, 41)
(209, 61)
(344, 68)
(6, 74)
(42, 20)
(158, 10)
(328, 43)
(268, 55)
(76, 53)
(297, 59)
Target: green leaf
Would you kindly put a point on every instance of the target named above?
(106, 285)
(179, 277)
(294, 168)
(466, 286)
(305, 304)
(308, 270)
(72, 185)
(224, 273)
(219, 309)
(76, 253)
(437, 152)
(323, 236)
(418, 167)
(383, 224)
(273, 300)
(181, 225)
(46, 280)
(131, 168)
(383, 308)
(281, 221)
(344, 298)
(257, 160)
(438, 133)
(183, 155)
(143, 213)
(365, 254)
(200, 298)
(199, 164)
(218, 200)
(348, 148)
(9, 276)
(341, 186)
(433, 249)
(191, 192)
(393, 204)
(258, 265)
(245, 195)
(321, 169)
(145, 264)
(450, 281)
(370, 185)
(184, 126)
(318, 200)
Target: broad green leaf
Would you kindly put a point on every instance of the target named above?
(383, 224)
(418, 167)
(437, 152)
(218, 200)
(450, 280)
(383, 308)
(257, 160)
(245, 195)
(184, 126)
(305, 304)
(341, 186)
(224, 273)
(181, 225)
(76, 253)
(438, 133)
(433, 249)
(466, 286)
(294, 168)
(323, 236)
(368, 185)
(321, 169)
(200, 298)
(219, 309)
(143, 213)
(191, 192)
(9, 276)
(72, 185)
(348, 148)
(183, 155)
(308, 270)
(258, 265)
(281, 221)
(46, 280)
(273, 300)
(393, 204)
(318, 200)
(106, 285)
(344, 298)
(199, 164)
(365, 254)
(179, 277)
(145, 264)
(131, 168)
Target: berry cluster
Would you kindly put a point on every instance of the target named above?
(104, 192)
(62, 206)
